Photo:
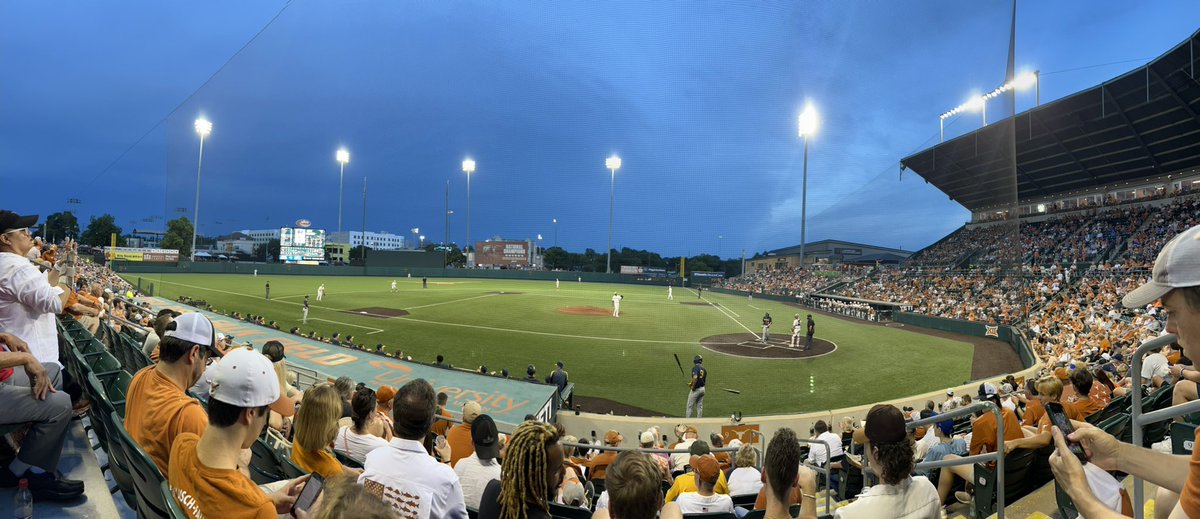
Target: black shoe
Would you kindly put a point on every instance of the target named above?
(47, 486)
(8, 480)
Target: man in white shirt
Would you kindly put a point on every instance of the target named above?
(680, 460)
(616, 304)
(29, 300)
(321, 291)
(403, 474)
(817, 453)
(706, 470)
(475, 471)
(1155, 367)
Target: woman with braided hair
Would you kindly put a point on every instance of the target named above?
(530, 474)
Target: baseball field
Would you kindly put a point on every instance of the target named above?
(630, 359)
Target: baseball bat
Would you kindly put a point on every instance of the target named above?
(680, 364)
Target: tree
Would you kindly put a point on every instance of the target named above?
(454, 255)
(356, 252)
(100, 230)
(179, 236)
(557, 258)
(60, 226)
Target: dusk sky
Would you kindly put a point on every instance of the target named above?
(97, 102)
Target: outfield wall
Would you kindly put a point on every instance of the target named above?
(281, 269)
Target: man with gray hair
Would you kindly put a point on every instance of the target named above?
(345, 389)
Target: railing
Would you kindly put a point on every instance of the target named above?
(1139, 420)
(998, 456)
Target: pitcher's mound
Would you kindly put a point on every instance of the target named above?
(586, 310)
(748, 345)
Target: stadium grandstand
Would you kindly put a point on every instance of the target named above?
(125, 399)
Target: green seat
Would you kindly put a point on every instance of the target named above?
(1016, 466)
(347, 460)
(1183, 437)
(569, 512)
(148, 481)
(1160, 399)
(116, 387)
(172, 506)
(1115, 425)
(105, 366)
(264, 466)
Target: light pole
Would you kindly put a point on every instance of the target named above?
(446, 230)
(613, 163)
(415, 232)
(979, 102)
(468, 167)
(719, 243)
(343, 157)
(555, 222)
(807, 127)
(203, 127)
(422, 241)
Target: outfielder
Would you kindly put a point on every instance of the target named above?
(617, 304)
(321, 292)
(393, 285)
(696, 395)
(670, 293)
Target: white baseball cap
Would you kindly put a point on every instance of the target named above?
(1177, 266)
(647, 437)
(194, 328)
(246, 378)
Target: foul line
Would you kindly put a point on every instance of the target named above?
(726, 314)
(549, 334)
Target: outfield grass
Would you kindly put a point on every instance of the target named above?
(627, 359)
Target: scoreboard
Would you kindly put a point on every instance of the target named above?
(300, 245)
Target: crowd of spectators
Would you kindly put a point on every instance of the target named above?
(792, 282)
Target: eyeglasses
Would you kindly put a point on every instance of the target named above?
(22, 231)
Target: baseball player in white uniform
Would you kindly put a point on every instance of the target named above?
(304, 317)
(616, 304)
(393, 285)
(670, 293)
(797, 329)
(321, 292)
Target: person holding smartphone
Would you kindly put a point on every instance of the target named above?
(1175, 283)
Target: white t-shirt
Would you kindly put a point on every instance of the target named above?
(474, 475)
(694, 503)
(816, 453)
(745, 480)
(356, 446)
(913, 498)
(1155, 364)
(680, 460)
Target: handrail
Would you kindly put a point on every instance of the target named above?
(1137, 420)
(129, 323)
(824, 470)
(642, 449)
(998, 455)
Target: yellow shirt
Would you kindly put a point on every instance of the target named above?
(687, 483)
(320, 462)
(204, 492)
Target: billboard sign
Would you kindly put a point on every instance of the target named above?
(142, 254)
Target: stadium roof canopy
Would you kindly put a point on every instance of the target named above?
(1145, 123)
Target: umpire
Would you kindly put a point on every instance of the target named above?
(696, 396)
(812, 330)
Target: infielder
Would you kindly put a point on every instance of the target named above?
(304, 310)
(393, 285)
(670, 293)
(617, 304)
(696, 395)
(556, 283)
(321, 292)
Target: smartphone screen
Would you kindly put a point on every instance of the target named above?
(1059, 418)
(309, 494)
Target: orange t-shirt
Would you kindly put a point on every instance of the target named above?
(441, 426)
(1073, 412)
(1087, 407)
(320, 462)
(1034, 411)
(599, 465)
(461, 444)
(760, 503)
(983, 431)
(214, 493)
(157, 411)
(1189, 499)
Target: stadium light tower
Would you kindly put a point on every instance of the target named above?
(343, 157)
(613, 163)
(555, 222)
(468, 167)
(203, 127)
(979, 102)
(807, 126)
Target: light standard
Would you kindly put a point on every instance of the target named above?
(979, 102)
(468, 167)
(343, 157)
(538, 254)
(555, 222)
(807, 127)
(422, 241)
(203, 127)
(415, 232)
(613, 163)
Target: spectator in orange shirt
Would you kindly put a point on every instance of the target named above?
(600, 462)
(459, 436)
(316, 427)
(983, 440)
(441, 426)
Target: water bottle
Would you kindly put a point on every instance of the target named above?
(23, 502)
